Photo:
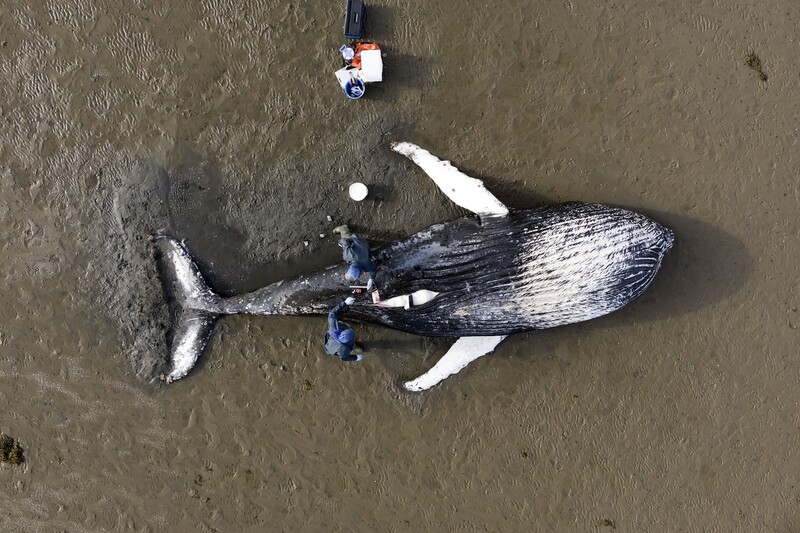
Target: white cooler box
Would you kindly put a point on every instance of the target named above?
(371, 66)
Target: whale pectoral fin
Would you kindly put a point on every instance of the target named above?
(467, 192)
(461, 353)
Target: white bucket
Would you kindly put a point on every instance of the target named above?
(358, 191)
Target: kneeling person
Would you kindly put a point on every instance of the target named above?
(355, 252)
(340, 338)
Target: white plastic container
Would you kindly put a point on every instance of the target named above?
(371, 66)
(358, 191)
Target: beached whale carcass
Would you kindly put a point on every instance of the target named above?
(478, 278)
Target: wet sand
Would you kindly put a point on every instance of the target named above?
(224, 125)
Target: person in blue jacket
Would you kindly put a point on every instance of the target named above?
(355, 252)
(340, 338)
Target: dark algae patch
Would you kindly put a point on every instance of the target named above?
(754, 62)
(10, 451)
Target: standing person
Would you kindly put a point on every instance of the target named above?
(340, 338)
(355, 252)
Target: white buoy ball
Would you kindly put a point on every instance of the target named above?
(358, 191)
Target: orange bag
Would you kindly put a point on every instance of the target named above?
(359, 47)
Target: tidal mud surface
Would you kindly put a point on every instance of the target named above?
(222, 124)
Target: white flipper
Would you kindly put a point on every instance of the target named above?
(463, 190)
(461, 353)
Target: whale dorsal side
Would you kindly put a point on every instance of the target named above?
(463, 190)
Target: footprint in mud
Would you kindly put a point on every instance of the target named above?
(704, 23)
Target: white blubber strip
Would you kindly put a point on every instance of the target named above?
(423, 296)
(407, 300)
(463, 190)
(461, 353)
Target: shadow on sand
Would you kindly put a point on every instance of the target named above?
(706, 266)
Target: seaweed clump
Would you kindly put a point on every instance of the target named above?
(754, 62)
(10, 451)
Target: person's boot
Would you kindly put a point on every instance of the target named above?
(342, 230)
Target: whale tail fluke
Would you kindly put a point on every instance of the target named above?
(193, 306)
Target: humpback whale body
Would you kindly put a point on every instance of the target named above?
(479, 278)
